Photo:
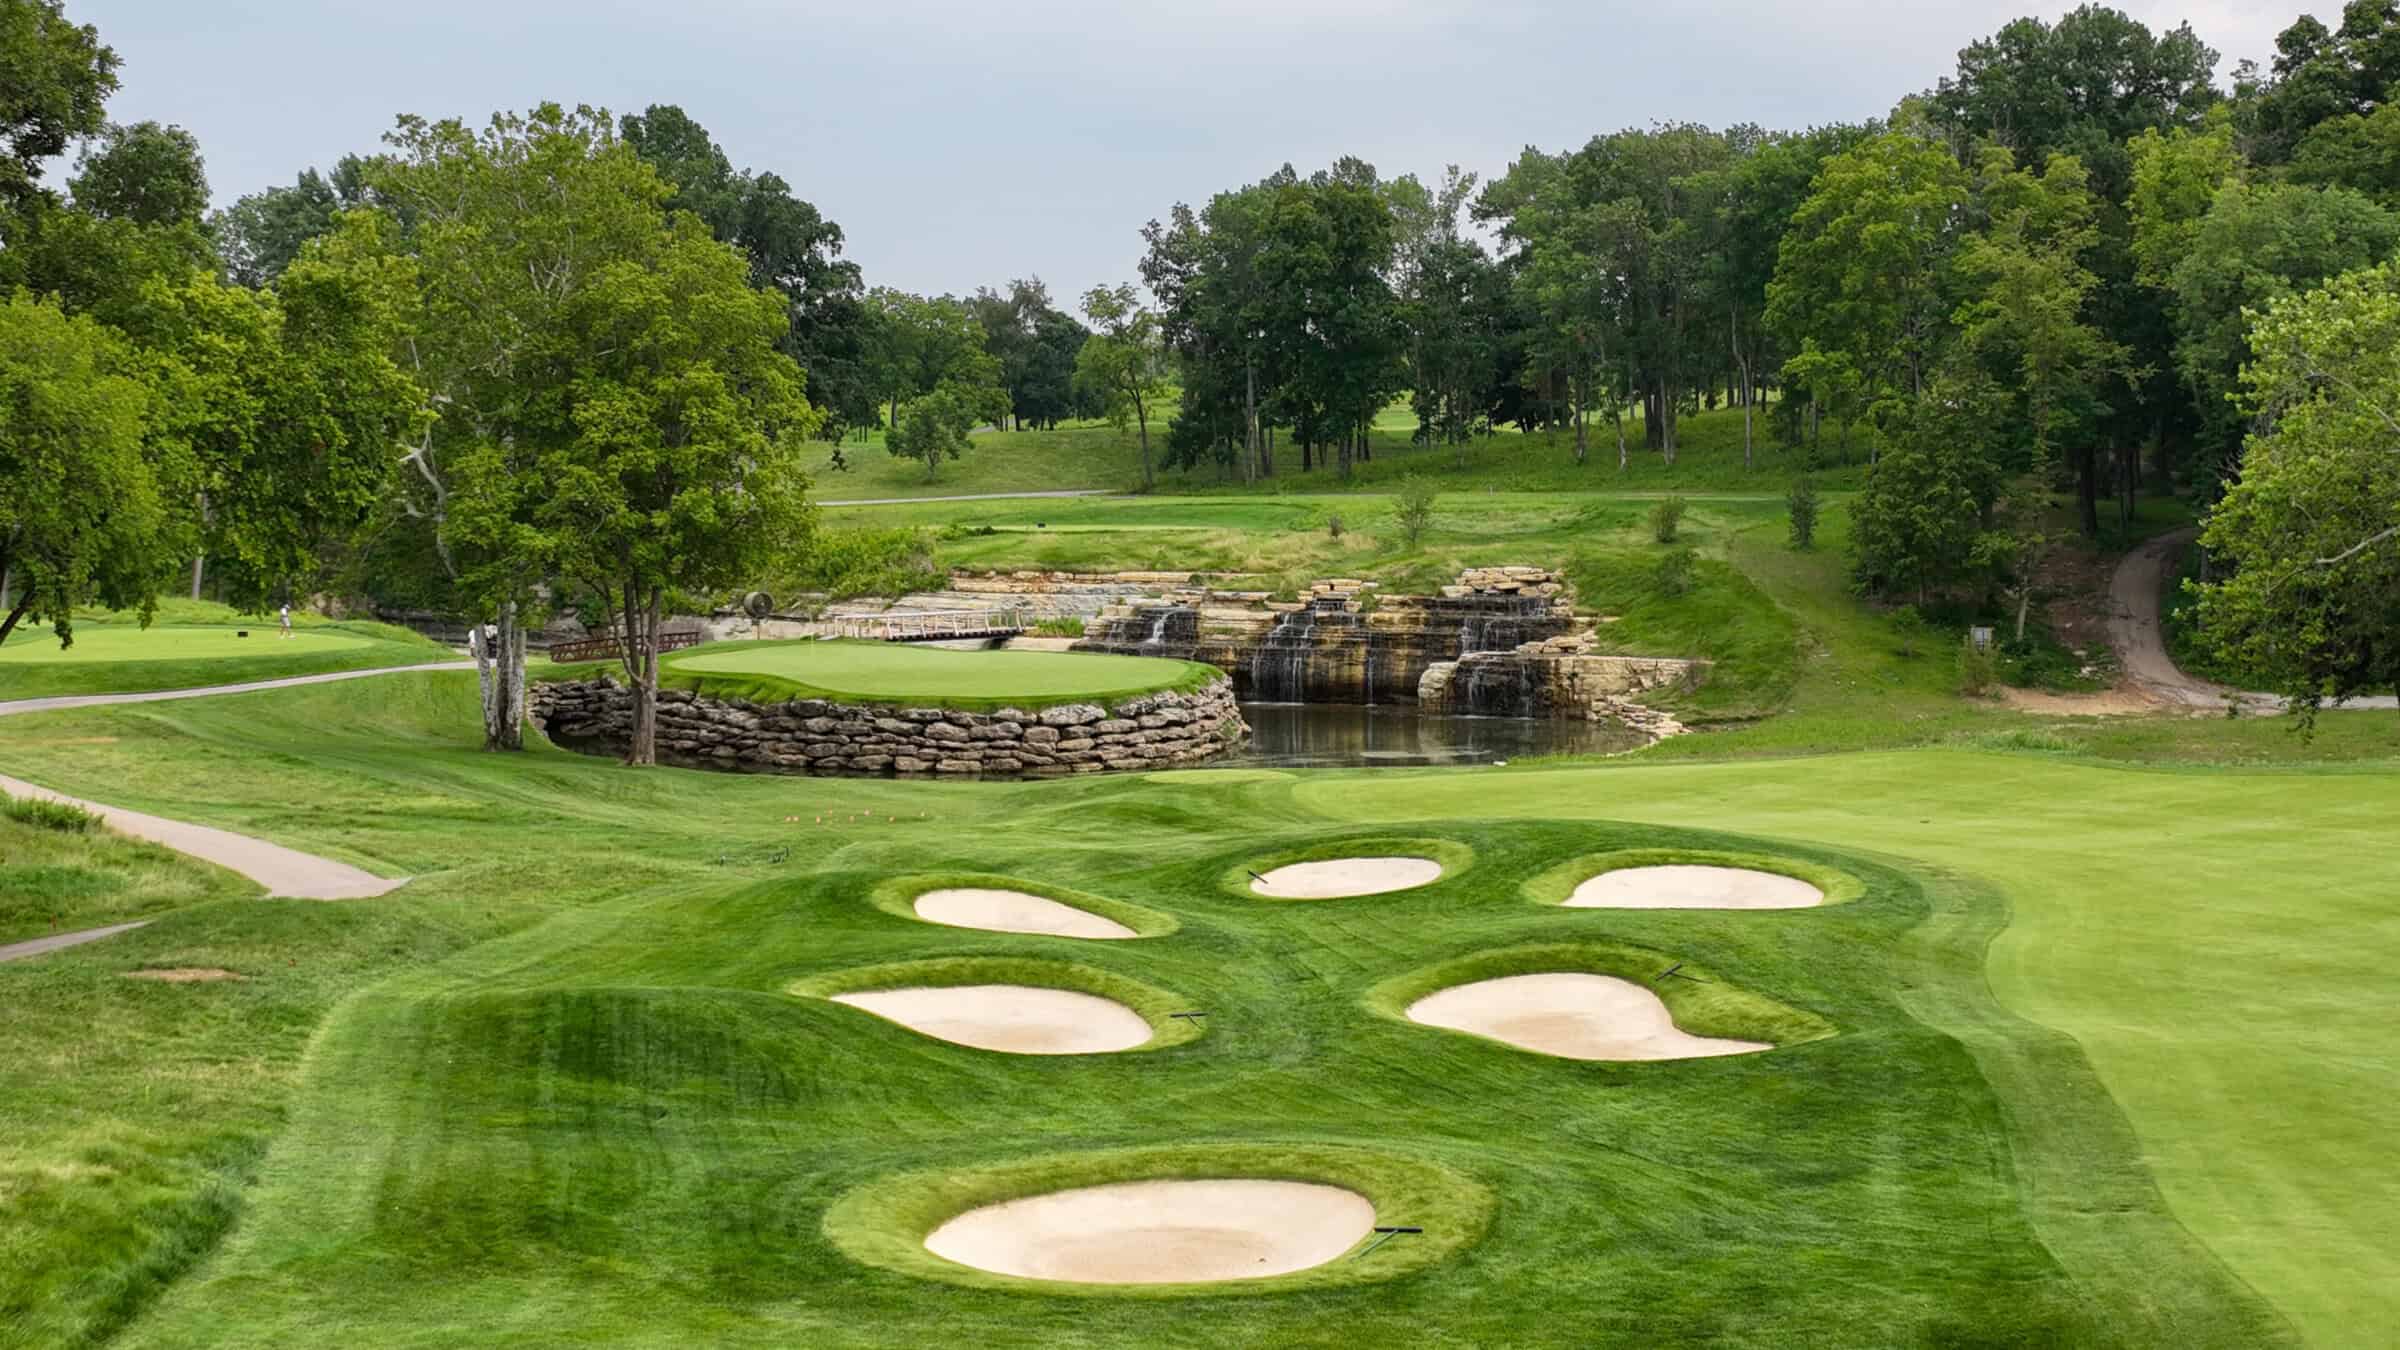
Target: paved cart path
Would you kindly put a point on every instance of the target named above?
(2135, 631)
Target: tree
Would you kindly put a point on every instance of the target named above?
(1923, 525)
(2026, 319)
(259, 236)
(936, 425)
(1573, 297)
(2321, 75)
(515, 229)
(916, 345)
(81, 513)
(2257, 244)
(791, 247)
(146, 173)
(55, 79)
(1864, 271)
(1412, 509)
(2311, 532)
(681, 476)
(1125, 361)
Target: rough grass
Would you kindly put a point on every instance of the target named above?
(557, 1093)
(890, 672)
(59, 881)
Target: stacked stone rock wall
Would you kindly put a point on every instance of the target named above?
(1559, 677)
(1152, 731)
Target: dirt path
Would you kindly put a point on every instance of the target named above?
(2135, 631)
(285, 872)
(18, 951)
(32, 705)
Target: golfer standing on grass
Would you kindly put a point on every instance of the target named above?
(286, 615)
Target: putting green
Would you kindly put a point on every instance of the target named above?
(95, 645)
(864, 672)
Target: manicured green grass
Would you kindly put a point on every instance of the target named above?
(891, 672)
(195, 644)
(555, 1090)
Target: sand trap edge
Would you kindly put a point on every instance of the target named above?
(1710, 1004)
(1153, 1004)
(897, 896)
(1453, 856)
(884, 1222)
(1553, 885)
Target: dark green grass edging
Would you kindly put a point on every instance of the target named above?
(899, 896)
(1554, 885)
(884, 1223)
(1454, 857)
(1153, 1004)
(1701, 1001)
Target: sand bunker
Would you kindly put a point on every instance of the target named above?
(1160, 1232)
(1686, 886)
(1015, 1018)
(182, 975)
(1015, 912)
(1338, 877)
(1573, 1016)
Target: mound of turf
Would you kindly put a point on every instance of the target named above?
(123, 658)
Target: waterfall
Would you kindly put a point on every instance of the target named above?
(1279, 669)
(1158, 631)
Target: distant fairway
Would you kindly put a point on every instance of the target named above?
(28, 647)
(871, 672)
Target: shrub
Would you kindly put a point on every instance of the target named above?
(1675, 571)
(1978, 667)
(1910, 625)
(1801, 501)
(1333, 526)
(1666, 518)
(48, 815)
(1066, 625)
(1413, 513)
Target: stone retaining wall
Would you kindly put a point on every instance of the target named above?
(1152, 731)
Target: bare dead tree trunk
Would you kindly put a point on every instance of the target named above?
(499, 651)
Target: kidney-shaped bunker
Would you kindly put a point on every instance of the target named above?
(1571, 1015)
(1160, 1232)
(1017, 1019)
(1693, 886)
(1335, 878)
(1001, 911)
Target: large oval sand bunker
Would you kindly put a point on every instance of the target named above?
(1160, 1232)
(1001, 911)
(1571, 1015)
(1693, 886)
(1335, 878)
(1017, 1019)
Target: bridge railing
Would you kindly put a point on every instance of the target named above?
(932, 625)
(608, 645)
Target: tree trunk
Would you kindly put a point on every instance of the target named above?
(1252, 449)
(1666, 419)
(641, 625)
(2087, 491)
(1616, 414)
(199, 564)
(1141, 414)
(500, 672)
(1583, 435)
(15, 613)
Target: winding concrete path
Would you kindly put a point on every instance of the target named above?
(285, 872)
(2135, 631)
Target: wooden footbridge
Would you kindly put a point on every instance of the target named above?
(929, 625)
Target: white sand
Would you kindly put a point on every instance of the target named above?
(1338, 877)
(1015, 1018)
(1015, 912)
(1160, 1232)
(1686, 886)
(1571, 1015)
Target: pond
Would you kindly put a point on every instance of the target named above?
(1336, 735)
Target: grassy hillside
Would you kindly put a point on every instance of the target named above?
(560, 1090)
(1095, 455)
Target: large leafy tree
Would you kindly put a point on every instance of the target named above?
(1862, 279)
(1329, 320)
(260, 235)
(2311, 532)
(515, 227)
(792, 249)
(2320, 77)
(679, 475)
(2257, 244)
(2028, 318)
(1924, 526)
(1125, 362)
(1574, 299)
(82, 514)
(55, 79)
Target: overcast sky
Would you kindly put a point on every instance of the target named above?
(962, 144)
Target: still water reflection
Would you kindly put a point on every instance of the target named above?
(1333, 735)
